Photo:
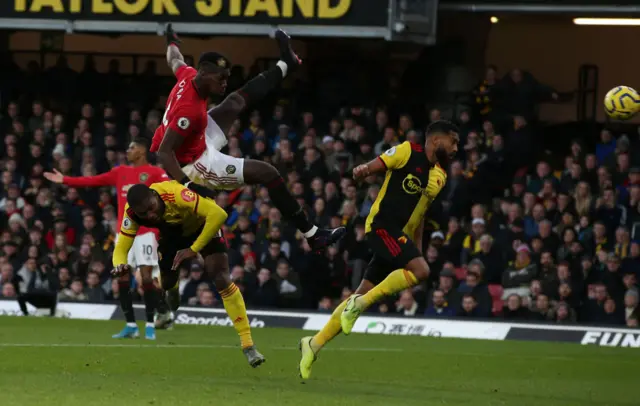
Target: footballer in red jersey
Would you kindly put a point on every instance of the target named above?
(189, 139)
(144, 255)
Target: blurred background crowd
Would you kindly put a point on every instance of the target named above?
(518, 233)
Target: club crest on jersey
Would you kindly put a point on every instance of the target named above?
(187, 195)
(231, 169)
(390, 151)
(183, 123)
(144, 177)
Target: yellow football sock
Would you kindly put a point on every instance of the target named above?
(330, 330)
(395, 282)
(237, 312)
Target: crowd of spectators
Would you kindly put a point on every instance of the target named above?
(510, 236)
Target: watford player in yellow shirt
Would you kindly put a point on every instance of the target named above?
(189, 224)
(394, 228)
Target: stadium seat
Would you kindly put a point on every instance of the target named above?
(461, 273)
(498, 304)
(495, 291)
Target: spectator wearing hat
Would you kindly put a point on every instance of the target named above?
(519, 273)
(471, 243)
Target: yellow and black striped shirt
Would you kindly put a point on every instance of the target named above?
(410, 186)
(185, 214)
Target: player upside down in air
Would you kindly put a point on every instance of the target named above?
(189, 138)
(144, 256)
(394, 228)
(189, 224)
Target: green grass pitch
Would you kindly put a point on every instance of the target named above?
(51, 362)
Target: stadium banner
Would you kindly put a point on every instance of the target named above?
(606, 338)
(482, 330)
(420, 327)
(199, 16)
(200, 316)
(64, 310)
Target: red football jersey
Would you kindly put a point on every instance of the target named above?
(122, 178)
(186, 114)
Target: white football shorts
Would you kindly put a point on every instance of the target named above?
(215, 169)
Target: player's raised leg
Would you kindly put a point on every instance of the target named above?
(130, 330)
(258, 172)
(416, 271)
(311, 346)
(217, 266)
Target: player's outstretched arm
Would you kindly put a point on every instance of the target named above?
(370, 168)
(104, 179)
(175, 60)
(393, 158)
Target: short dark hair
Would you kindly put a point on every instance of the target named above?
(442, 126)
(137, 194)
(142, 141)
(211, 62)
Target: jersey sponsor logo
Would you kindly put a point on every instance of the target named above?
(126, 223)
(412, 184)
(231, 169)
(143, 177)
(390, 151)
(183, 123)
(187, 195)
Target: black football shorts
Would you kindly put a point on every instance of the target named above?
(391, 250)
(168, 247)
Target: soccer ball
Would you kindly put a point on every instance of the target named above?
(621, 103)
